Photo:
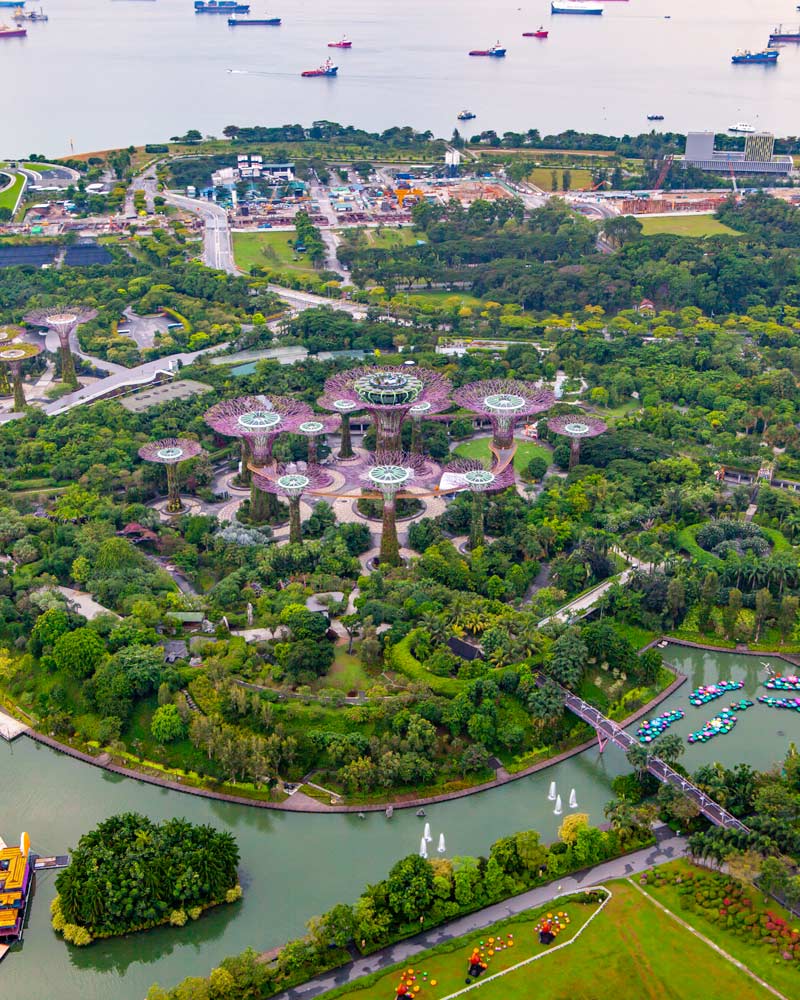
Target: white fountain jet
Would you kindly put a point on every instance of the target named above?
(427, 833)
(573, 799)
(441, 848)
(558, 810)
(552, 793)
(423, 848)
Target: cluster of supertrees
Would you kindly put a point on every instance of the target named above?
(388, 396)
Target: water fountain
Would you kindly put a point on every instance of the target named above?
(552, 793)
(558, 810)
(427, 833)
(441, 848)
(573, 799)
(423, 848)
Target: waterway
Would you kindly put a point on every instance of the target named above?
(294, 866)
(103, 73)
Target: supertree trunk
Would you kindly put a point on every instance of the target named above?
(5, 386)
(503, 434)
(476, 538)
(416, 437)
(245, 476)
(346, 449)
(390, 547)
(68, 376)
(295, 532)
(174, 504)
(19, 389)
(312, 450)
(259, 506)
(574, 452)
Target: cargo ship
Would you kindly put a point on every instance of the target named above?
(465, 116)
(765, 56)
(575, 7)
(540, 32)
(345, 43)
(17, 32)
(779, 35)
(326, 69)
(238, 21)
(220, 7)
(495, 52)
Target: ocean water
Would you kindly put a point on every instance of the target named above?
(103, 73)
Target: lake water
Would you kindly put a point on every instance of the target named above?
(56, 799)
(105, 73)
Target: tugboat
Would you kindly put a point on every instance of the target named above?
(768, 56)
(465, 116)
(779, 35)
(541, 32)
(6, 32)
(495, 52)
(655, 118)
(326, 69)
(345, 43)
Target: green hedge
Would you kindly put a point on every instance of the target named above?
(401, 659)
(687, 540)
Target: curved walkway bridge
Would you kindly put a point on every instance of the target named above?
(607, 730)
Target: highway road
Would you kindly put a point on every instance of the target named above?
(218, 249)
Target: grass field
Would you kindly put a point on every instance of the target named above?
(9, 196)
(526, 450)
(385, 238)
(543, 177)
(269, 250)
(346, 673)
(439, 298)
(686, 225)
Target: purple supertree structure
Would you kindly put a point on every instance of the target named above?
(421, 411)
(315, 429)
(170, 452)
(576, 428)
(13, 353)
(389, 473)
(8, 333)
(387, 394)
(292, 485)
(64, 319)
(470, 474)
(345, 408)
(503, 401)
(258, 420)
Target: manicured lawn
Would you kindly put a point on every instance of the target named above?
(9, 196)
(543, 177)
(526, 450)
(686, 225)
(384, 238)
(269, 250)
(346, 673)
(439, 298)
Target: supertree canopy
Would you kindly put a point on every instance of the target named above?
(13, 354)
(387, 394)
(470, 474)
(576, 428)
(345, 408)
(292, 485)
(171, 452)
(504, 401)
(258, 420)
(389, 473)
(63, 319)
(314, 430)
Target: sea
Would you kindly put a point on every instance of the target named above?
(106, 73)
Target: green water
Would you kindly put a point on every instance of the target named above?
(294, 866)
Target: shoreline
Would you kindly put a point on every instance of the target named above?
(313, 806)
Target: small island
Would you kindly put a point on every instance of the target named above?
(130, 874)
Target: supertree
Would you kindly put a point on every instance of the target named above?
(13, 354)
(258, 420)
(576, 429)
(8, 333)
(171, 452)
(314, 430)
(470, 474)
(387, 394)
(419, 412)
(292, 485)
(345, 408)
(503, 401)
(388, 473)
(64, 320)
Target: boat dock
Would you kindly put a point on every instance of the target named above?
(51, 863)
(11, 728)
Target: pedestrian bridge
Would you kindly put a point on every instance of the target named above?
(608, 730)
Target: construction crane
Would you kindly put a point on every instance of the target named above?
(733, 180)
(666, 166)
(596, 186)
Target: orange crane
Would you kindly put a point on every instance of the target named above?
(666, 166)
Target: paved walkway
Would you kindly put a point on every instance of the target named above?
(11, 728)
(85, 604)
(667, 848)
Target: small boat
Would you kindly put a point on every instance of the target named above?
(465, 116)
(237, 22)
(575, 7)
(743, 127)
(655, 118)
(768, 56)
(541, 32)
(6, 32)
(495, 52)
(779, 35)
(345, 43)
(326, 69)
(33, 15)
